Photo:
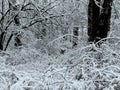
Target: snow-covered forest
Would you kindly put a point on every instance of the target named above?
(45, 45)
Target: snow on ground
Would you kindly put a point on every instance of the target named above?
(91, 67)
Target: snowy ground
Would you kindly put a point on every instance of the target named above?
(85, 68)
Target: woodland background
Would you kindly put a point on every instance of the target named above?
(40, 49)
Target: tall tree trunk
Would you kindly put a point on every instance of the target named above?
(98, 20)
(2, 26)
(104, 19)
(93, 14)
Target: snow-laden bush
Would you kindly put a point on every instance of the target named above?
(97, 65)
(7, 79)
(91, 67)
(64, 44)
(22, 56)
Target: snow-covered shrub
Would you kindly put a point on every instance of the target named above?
(92, 67)
(22, 56)
(7, 79)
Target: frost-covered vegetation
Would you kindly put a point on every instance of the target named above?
(48, 60)
(87, 68)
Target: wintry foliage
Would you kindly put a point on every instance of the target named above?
(40, 54)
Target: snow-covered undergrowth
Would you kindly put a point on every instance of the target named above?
(91, 67)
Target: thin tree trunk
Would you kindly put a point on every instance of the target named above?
(75, 37)
(1, 40)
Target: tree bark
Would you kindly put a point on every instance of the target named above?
(75, 36)
(1, 40)
(99, 20)
(2, 26)
(93, 14)
(104, 20)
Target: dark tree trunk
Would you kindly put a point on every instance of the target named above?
(2, 40)
(99, 20)
(75, 37)
(2, 26)
(104, 20)
(93, 14)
